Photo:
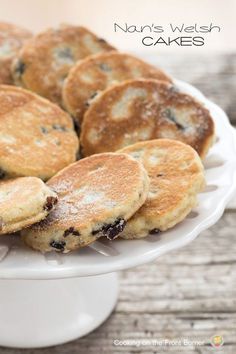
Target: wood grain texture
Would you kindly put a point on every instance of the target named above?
(190, 292)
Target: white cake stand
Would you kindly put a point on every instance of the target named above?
(52, 299)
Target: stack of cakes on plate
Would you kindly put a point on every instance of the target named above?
(93, 142)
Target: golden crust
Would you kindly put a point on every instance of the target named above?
(23, 202)
(94, 74)
(11, 40)
(37, 138)
(139, 110)
(45, 61)
(96, 195)
(176, 176)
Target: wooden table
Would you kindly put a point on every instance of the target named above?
(188, 293)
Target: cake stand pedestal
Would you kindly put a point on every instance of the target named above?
(39, 313)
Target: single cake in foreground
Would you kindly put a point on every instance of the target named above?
(176, 176)
(139, 110)
(37, 138)
(45, 61)
(23, 202)
(92, 75)
(97, 196)
(12, 38)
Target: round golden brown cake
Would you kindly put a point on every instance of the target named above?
(12, 38)
(23, 202)
(43, 64)
(97, 195)
(37, 137)
(139, 110)
(176, 176)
